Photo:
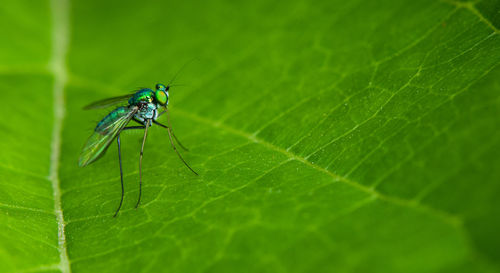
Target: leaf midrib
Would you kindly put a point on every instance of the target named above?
(57, 65)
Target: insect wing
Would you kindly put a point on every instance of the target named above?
(107, 102)
(104, 133)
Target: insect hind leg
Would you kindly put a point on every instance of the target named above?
(148, 123)
(121, 174)
(120, 162)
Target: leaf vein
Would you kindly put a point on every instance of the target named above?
(443, 215)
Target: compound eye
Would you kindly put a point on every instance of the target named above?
(160, 86)
(161, 97)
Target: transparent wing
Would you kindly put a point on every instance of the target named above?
(107, 129)
(107, 102)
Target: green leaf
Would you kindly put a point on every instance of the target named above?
(334, 136)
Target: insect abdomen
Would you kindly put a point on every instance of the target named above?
(103, 125)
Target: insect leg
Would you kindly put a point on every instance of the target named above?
(121, 174)
(148, 123)
(173, 145)
(120, 161)
(133, 127)
(138, 121)
(176, 140)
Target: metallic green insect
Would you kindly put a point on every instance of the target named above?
(143, 107)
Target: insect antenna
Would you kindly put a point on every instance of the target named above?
(180, 69)
(174, 85)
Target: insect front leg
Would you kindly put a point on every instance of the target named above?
(175, 137)
(169, 130)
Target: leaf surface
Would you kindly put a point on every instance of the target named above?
(339, 136)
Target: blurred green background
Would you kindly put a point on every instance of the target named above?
(330, 136)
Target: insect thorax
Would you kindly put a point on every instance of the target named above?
(142, 96)
(145, 100)
(146, 111)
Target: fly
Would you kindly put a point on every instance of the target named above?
(143, 108)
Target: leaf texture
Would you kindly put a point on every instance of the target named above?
(334, 136)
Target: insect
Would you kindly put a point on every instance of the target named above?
(143, 108)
